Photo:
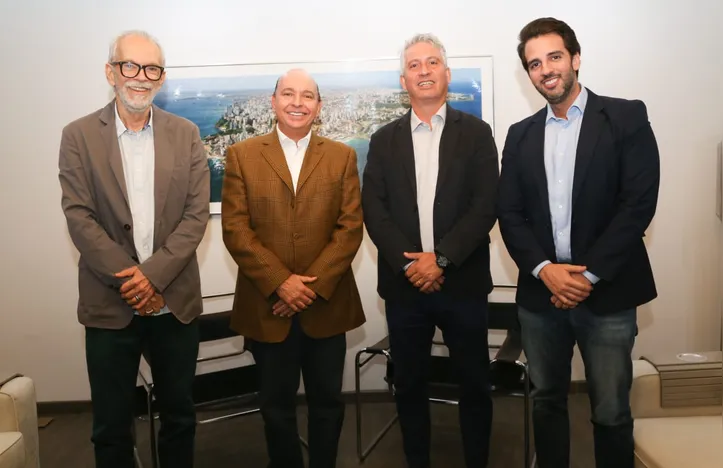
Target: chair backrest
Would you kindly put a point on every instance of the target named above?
(215, 326)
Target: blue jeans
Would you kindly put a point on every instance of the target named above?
(606, 343)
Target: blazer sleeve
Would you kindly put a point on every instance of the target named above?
(172, 257)
(103, 255)
(473, 227)
(637, 197)
(383, 230)
(516, 231)
(335, 259)
(263, 268)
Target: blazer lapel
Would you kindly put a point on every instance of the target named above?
(447, 145)
(312, 157)
(404, 149)
(164, 159)
(110, 136)
(589, 132)
(274, 155)
(536, 142)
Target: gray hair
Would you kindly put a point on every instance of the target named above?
(428, 38)
(113, 51)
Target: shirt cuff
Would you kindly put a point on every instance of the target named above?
(592, 278)
(405, 267)
(536, 271)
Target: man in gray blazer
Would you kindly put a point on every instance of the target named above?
(135, 187)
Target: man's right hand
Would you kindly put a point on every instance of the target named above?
(432, 286)
(295, 293)
(559, 279)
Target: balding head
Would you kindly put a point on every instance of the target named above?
(296, 73)
(296, 102)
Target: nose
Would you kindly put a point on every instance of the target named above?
(297, 100)
(545, 68)
(424, 69)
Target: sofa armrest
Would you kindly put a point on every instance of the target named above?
(645, 396)
(19, 413)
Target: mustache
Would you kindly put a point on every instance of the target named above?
(550, 75)
(137, 84)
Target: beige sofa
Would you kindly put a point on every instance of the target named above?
(672, 437)
(18, 423)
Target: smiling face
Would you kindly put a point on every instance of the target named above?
(135, 94)
(551, 68)
(425, 76)
(296, 103)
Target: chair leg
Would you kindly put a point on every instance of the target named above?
(152, 429)
(363, 453)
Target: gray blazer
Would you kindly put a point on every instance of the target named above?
(95, 204)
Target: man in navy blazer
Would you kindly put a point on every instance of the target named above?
(578, 188)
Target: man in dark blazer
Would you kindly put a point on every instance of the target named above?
(135, 193)
(578, 189)
(429, 200)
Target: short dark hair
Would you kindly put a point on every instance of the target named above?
(543, 26)
(276, 87)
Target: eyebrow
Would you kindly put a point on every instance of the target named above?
(313, 93)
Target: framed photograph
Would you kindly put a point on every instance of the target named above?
(230, 103)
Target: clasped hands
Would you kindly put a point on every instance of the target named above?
(424, 273)
(569, 287)
(139, 293)
(294, 295)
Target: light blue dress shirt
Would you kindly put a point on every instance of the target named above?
(561, 137)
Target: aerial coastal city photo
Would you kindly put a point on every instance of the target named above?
(228, 109)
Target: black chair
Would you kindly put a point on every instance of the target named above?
(508, 375)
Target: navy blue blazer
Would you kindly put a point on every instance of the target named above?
(614, 198)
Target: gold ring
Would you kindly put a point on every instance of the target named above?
(137, 298)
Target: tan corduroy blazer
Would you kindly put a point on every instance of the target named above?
(272, 232)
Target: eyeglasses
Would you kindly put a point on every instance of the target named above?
(131, 70)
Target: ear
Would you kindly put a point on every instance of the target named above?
(109, 75)
(402, 82)
(576, 62)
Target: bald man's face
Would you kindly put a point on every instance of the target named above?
(296, 104)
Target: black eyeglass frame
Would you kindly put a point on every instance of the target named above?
(140, 67)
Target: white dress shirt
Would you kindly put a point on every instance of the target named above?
(426, 165)
(294, 153)
(138, 155)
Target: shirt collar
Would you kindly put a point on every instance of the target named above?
(283, 138)
(441, 112)
(577, 107)
(120, 127)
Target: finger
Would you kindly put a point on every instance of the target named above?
(131, 283)
(300, 305)
(308, 293)
(142, 304)
(574, 268)
(412, 255)
(578, 285)
(440, 280)
(426, 287)
(307, 279)
(127, 272)
(573, 295)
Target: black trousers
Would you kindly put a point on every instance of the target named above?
(464, 326)
(113, 357)
(321, 361)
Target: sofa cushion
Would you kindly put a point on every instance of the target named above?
(12, 450)
(676, 442)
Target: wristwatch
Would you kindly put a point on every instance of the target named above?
(442, 261)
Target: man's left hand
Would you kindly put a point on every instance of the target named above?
(424, 269)
(577, 277)
(137, 290)
(282, 309)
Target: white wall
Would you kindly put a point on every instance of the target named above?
(53, 54)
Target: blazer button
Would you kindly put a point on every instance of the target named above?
(296, 235)
(127, 227)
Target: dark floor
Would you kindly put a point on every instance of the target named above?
(239, 442)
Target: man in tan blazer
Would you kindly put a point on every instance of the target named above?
(292, 221)
(135, 193)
